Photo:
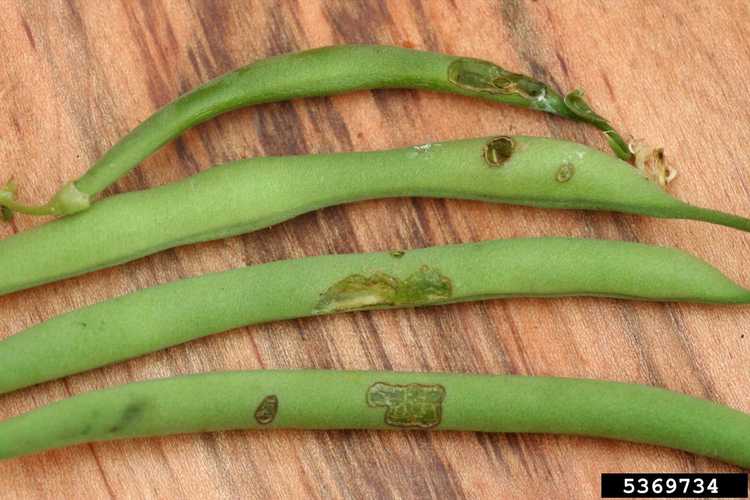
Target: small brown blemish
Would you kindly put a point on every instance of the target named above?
(415, 406)
(499, 150)
(267, 409)
(398, 253)
(565, 172)
(652, 163)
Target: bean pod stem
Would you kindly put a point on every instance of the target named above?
(171, 314)
(318, 399)
(252, 194)
(318, 72)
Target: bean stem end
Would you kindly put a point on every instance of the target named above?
(68, 200)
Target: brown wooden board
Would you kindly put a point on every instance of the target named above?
(77, 75)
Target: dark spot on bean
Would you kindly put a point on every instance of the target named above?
(398, 253)
(267, 409)
(131, 413)
(499, 150)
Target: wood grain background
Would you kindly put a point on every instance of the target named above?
(77, 75)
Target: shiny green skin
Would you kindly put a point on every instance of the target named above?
(252, 194)
(320, 399)
(177, 312)
(318, 72)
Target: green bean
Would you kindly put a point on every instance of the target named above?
(319, 72)
(177, 312)
(252, 194)
(327, 399)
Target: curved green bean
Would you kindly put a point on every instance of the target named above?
(320, 399)
(318, 72)
(177, 312)
(252, 194)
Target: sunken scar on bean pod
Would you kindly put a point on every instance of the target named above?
(482, 76)
(415, 406)
(499, 150)
(565, 172)
(266, 411)
(358, 291)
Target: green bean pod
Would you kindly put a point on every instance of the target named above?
(252, 194)
(177, 312)
(318, 72)
(327, 399)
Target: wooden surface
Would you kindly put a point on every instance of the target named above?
(77, 75)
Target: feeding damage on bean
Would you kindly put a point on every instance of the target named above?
(565, 172)
(652, 163)
(484, 77)
(426, 285)
(267, 409)
(415, 406)
(499, 150)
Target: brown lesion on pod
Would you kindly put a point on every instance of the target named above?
(499, 150)
(652, 163)
(483, 77)
(412, 406)
(565, 172)
(267, 409)
(358, 291)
